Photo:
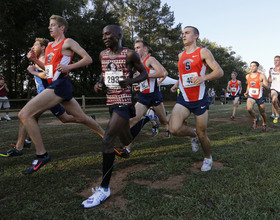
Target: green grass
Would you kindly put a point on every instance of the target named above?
(247, 186)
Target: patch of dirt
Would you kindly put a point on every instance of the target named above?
(173, 182)
(195, 168)
(118, 179)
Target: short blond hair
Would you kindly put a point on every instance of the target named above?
(42, 41)
(61, 21)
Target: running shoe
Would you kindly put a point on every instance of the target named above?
(7, 117)
(264, 128)
(123, 152)
(232, 117)
(155, 129)
(275, 120)
(207, 164)
(25, 145)
(272, 116)
(195, 144)
(255, 124)
(12, 152)
(99, 195)
(37, 163)
(167, 134)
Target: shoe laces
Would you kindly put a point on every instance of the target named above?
(98, 193)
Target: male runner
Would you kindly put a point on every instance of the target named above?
(256, 81)
(58, 57)
(117, 62)
(274, 79)
(193, 95)
(234, 87)
(41, 83)
(149, 95)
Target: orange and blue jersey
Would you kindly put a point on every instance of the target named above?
(234, 88)
(53, 57)
(191, 65)
(255, 89)
(149, 85)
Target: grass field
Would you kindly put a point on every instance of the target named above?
(161, 180)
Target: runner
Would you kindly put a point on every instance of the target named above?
(193, 95)
(149, 95)
(41, 83)
(58, 57)
(234, 87)
(117, 63)
(274, 79)
(4, 99)
(256, 81)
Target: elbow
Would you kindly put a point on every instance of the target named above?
(89, 60)
(221, 73)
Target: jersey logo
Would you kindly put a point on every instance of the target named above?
(188, 64)
(112, 66)
(50, 56)
(253, 84)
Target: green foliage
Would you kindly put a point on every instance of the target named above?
(229, 62)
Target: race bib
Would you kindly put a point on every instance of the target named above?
(254, 91)
(49, 71)
(144, 85)
(233, 89)
(187, 79)
(112, 78)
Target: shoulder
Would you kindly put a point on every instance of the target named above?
(132, 55)
(180, 55)
(102, 54)
(205, 53)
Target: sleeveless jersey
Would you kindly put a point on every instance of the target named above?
(275, 83)
(53, 57)
(150, 84)
(234, 88)
(113, 70)
(255, 89)
(191, 65)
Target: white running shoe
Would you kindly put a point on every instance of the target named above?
(7, 118)
(207, 164)
(98, 196)
(195, 144)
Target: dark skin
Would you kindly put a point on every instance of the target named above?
(112, 37)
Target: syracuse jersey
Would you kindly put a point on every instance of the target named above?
(191, 65)
(234, 88)
(275, 80)
(113, 70)
(255, 89)
(150, 84)
(53, 57)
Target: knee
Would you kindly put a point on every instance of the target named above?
(21, 115)
(107, 143)
(173, 130)
(201, 134)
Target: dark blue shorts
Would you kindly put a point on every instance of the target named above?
(57, 110)
(125, 111)
(150, 99)
(197, 107)
(62, 87)
(233, 97)
(259, 101)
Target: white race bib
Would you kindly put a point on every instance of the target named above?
(112, 78)
(49, 71)
(233, 89)
(187, 79)
(144, 85)
(254, 91)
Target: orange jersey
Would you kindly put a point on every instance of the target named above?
(234, 88)
(53, 57)
(191, 65)
(255, 88)
(149, 85)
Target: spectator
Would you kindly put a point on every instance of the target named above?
(3, 98)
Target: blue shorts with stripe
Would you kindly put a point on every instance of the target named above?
(150, 99)
(197, 107)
